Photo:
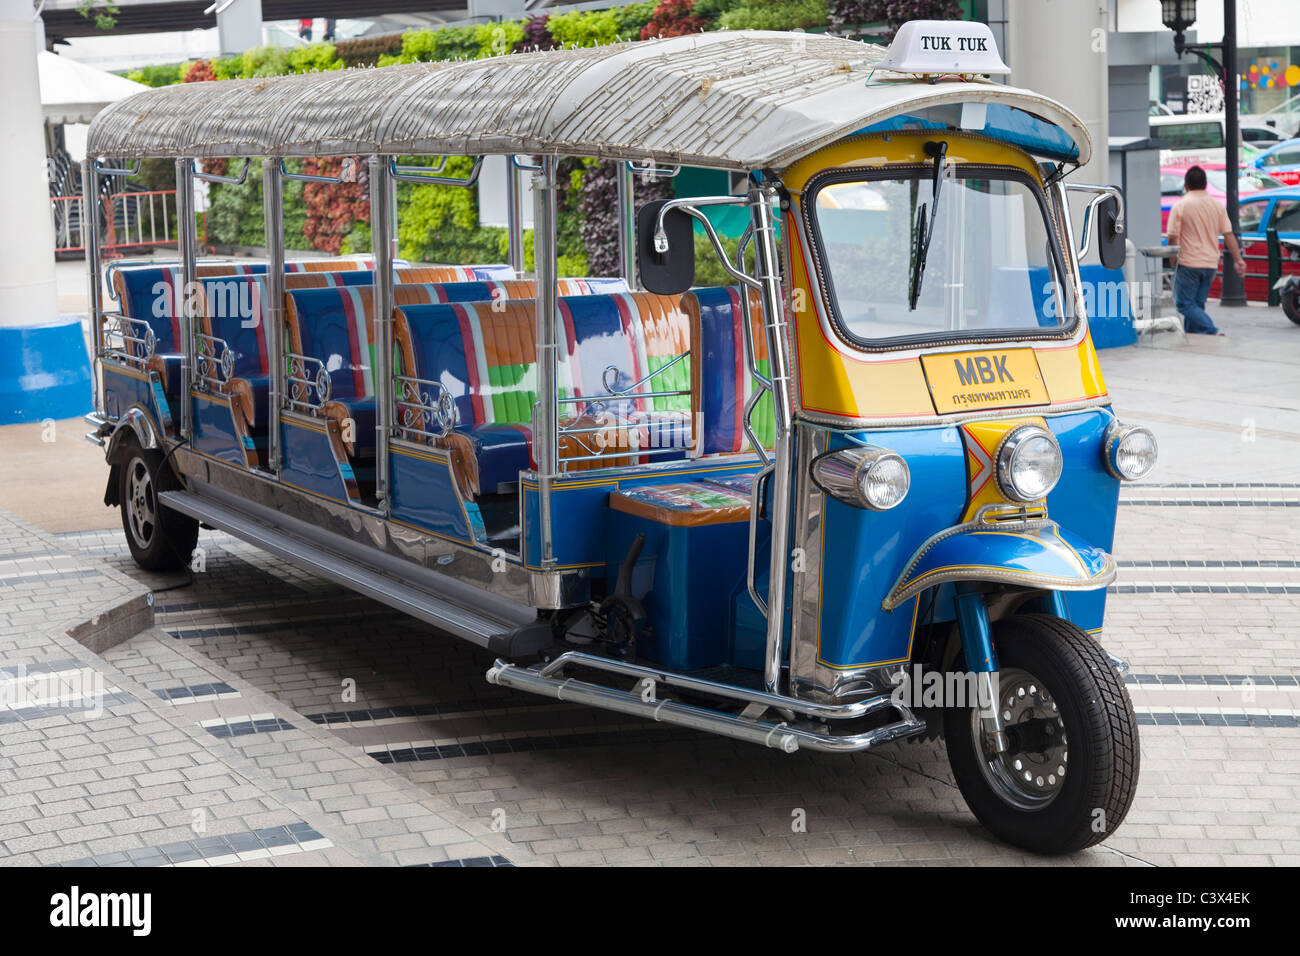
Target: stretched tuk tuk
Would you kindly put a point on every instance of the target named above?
(882, 462)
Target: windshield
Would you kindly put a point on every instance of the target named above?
(992, 264)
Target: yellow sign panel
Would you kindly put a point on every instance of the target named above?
(997, 378)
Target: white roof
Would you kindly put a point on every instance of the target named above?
(738, 100)
(72, 92)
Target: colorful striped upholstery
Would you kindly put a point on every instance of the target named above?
(484, 354)
(718, 346)
(422, 274)
(152, 293)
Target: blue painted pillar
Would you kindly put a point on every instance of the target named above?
(44, 364)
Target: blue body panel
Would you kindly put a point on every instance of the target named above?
(580, 506)
(1085, 500)
(423, 494)
(682, 578)
(214, 429)
(865, 551)
(309, 462)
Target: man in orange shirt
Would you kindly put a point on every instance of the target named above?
(1195, 224)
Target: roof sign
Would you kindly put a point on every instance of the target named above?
(943, 46)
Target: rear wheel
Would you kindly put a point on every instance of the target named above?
(160, 539)
(1291, 305)
(1069, 773)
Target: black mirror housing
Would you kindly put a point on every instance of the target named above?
(671, 272)
(1111, 247)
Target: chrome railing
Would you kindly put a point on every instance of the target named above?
(128, 341)
(309, 383)
(425, 409)
(214, 361)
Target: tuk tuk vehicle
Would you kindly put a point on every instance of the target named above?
(778, 510)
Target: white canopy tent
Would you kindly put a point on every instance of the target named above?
(72, 92)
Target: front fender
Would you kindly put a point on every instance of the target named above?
(1039, 555)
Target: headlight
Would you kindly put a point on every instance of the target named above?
(1130, 451)
(1029, 463)
(863, 477)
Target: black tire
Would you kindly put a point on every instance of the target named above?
(1291, 306)
(1081, 689)
(160, 539)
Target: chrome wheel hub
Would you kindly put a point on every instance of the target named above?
(1031, 771)
(141, 507)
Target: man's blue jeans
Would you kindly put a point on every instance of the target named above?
(1191, 289)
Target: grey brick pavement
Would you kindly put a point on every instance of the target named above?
(123, 775)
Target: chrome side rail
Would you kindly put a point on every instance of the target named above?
(640, 701)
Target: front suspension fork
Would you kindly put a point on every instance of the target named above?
(981, 660)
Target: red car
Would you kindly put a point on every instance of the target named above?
(1251, 180)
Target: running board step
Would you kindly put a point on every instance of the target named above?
(430, 608)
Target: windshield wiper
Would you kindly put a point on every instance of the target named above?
(939, 151)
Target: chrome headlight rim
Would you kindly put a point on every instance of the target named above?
(1011, 445)
(842, 473)
(1116, 433)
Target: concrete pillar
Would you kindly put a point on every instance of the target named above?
(44, 367)
(1058, 48)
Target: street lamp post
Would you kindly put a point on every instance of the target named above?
(1178, 16)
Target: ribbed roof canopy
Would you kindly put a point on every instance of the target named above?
(737, 100)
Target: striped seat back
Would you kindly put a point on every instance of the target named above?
(625, 343)
(485, 356)
(335, 325)
(453, 273)
(152, 294)
(722, 383)
(233, 312)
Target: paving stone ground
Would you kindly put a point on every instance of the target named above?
(150, 755)
(269, 699)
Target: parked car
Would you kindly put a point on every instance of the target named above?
(1272, 209)
(1250, 180)
(1281, 161)
(1261, 135)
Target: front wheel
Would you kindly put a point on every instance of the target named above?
(160, 539)
(1070, 769)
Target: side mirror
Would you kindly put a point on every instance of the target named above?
(1111, 247)
(671, 271)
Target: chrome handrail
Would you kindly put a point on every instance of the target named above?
(129, 341)
(214, 366)
(301, 386)
(438, 409)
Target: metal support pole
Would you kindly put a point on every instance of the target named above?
(381, 245)
(1234, 288)
(94, 297)
(515, 218)
(273, 310)
(185, 244)
(768, 273)
(627, 226)
(546, 438)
